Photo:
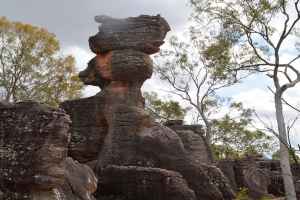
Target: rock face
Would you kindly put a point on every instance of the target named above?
(88, 129)
(131, 136)
(33, 143)
(33, 147)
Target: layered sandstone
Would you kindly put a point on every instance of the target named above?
(33, 148)
(131, 136)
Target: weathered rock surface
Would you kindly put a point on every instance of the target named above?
(132, 182)
(33, 147)
(193, 140)
(144, 33)
(88, 129)
(219, 180)
(33, 143)
(227, 167)
(194, 144)
(80, 181)
(132, 138)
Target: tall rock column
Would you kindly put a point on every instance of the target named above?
(131, 136)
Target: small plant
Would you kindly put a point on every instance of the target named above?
(242, 195)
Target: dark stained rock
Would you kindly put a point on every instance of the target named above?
(88, 128)
(219, 180)
(144, 33)
(142, 183)
(33, 143)
(194, 144)
(195, 128)
(227, 166)
(80, 182)
(249, 175)
(156, 146)
(173, 122)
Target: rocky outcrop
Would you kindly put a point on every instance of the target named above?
(132, 138)
(132, 182)
(33, 147)
(33, 144)
(261, 176)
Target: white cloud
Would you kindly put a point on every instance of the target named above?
(81, 55)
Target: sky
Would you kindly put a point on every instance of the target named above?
(73, 23)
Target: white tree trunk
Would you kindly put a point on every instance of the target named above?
(284, 151)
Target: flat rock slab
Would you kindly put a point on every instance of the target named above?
(143, 33)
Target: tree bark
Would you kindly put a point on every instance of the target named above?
(284, 151)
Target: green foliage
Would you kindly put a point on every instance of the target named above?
(292, 155)
(232, 137)
(31, 66)
(163, 111)
(242, 195)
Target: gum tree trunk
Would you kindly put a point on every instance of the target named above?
(284, 151)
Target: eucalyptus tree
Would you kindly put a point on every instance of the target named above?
(235, 136)
(164, 110)
(190, 76)
(31, 66)
(251, 37)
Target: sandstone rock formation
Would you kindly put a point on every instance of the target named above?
(192, 137)
(80, 181)
(132, 182)
(131, 136)
(33, 147)
(261, 176)
(33, 144)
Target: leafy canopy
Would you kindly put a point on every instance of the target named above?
(163, 111)
(233, 137)
(31, 66)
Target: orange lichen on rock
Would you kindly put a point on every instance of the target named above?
(103, 67)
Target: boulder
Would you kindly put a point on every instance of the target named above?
(249, 175)
(227, 167)
(144, 33)
(80, 181)
(132, 182)
(33, 144)
(194, 144)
